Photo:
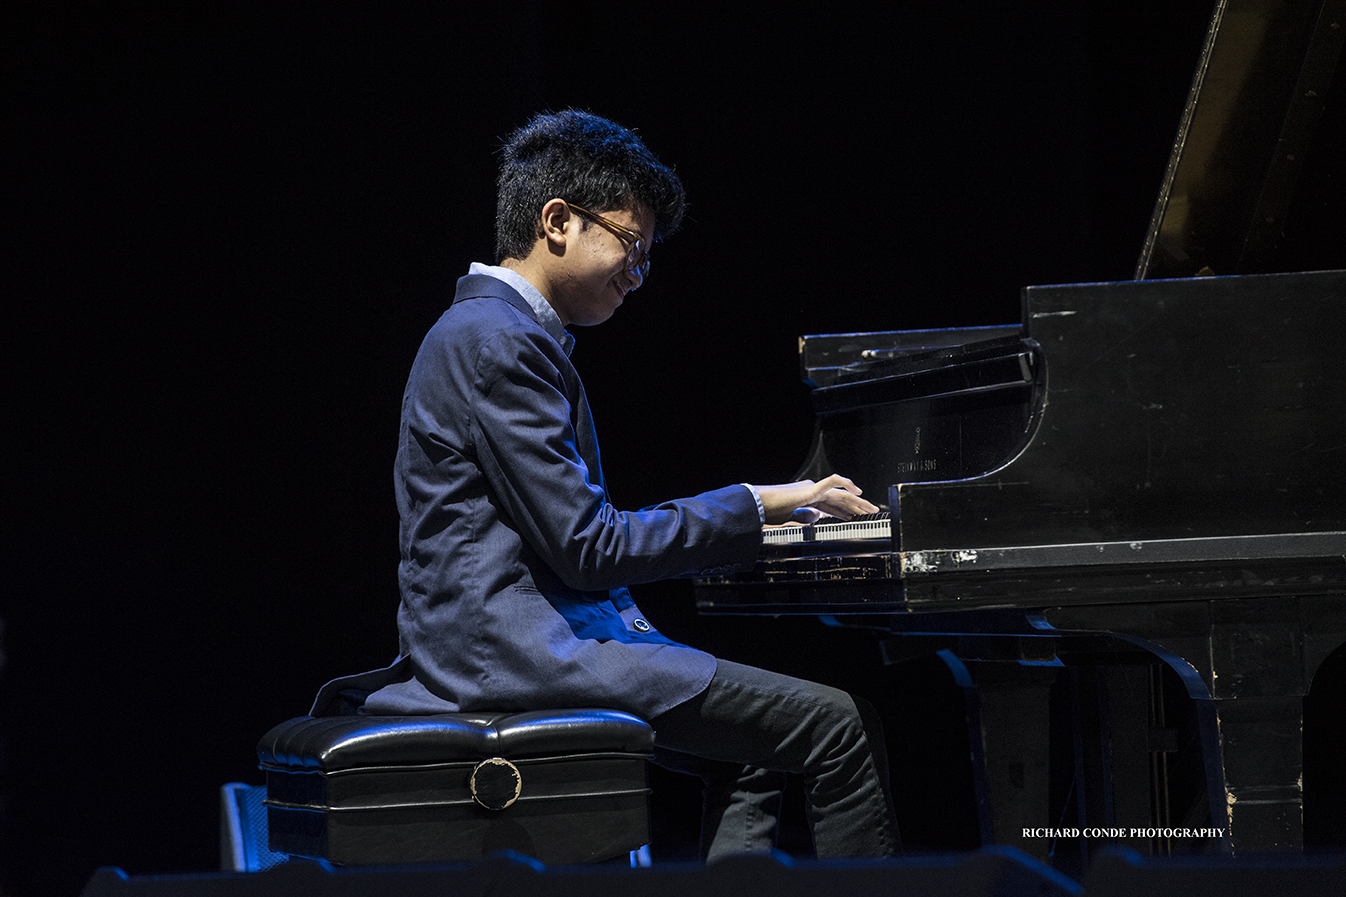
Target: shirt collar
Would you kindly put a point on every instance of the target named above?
(546, 315)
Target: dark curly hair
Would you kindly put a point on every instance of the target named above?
(585, 159)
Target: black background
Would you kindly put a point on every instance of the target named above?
(228, 225)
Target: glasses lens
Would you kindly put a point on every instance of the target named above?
(637, 259)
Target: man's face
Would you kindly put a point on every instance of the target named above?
(594, 278)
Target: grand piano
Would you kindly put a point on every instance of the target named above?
(1135, 496)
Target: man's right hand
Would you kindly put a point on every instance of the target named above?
(807, 501)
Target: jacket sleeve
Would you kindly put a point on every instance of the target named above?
(532, 435)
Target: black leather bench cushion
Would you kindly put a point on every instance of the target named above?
(352, 742)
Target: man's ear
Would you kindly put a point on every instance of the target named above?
(557, 223)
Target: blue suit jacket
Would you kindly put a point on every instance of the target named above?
(514, 565)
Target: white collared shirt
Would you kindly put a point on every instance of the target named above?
(546, 315)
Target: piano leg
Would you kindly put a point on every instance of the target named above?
(1260, 741)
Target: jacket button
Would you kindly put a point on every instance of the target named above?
(641, 625)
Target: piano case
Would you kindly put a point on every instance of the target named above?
(563, 787)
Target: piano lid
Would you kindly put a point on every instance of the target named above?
(1255, 180)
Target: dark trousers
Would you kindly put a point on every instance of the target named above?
(748, 729)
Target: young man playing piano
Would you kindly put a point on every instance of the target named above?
(514, 565)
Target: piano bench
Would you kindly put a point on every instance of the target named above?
(561, 786)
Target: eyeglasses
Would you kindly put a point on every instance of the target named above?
(637, 256)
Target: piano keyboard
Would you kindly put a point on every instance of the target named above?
(864, 526)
